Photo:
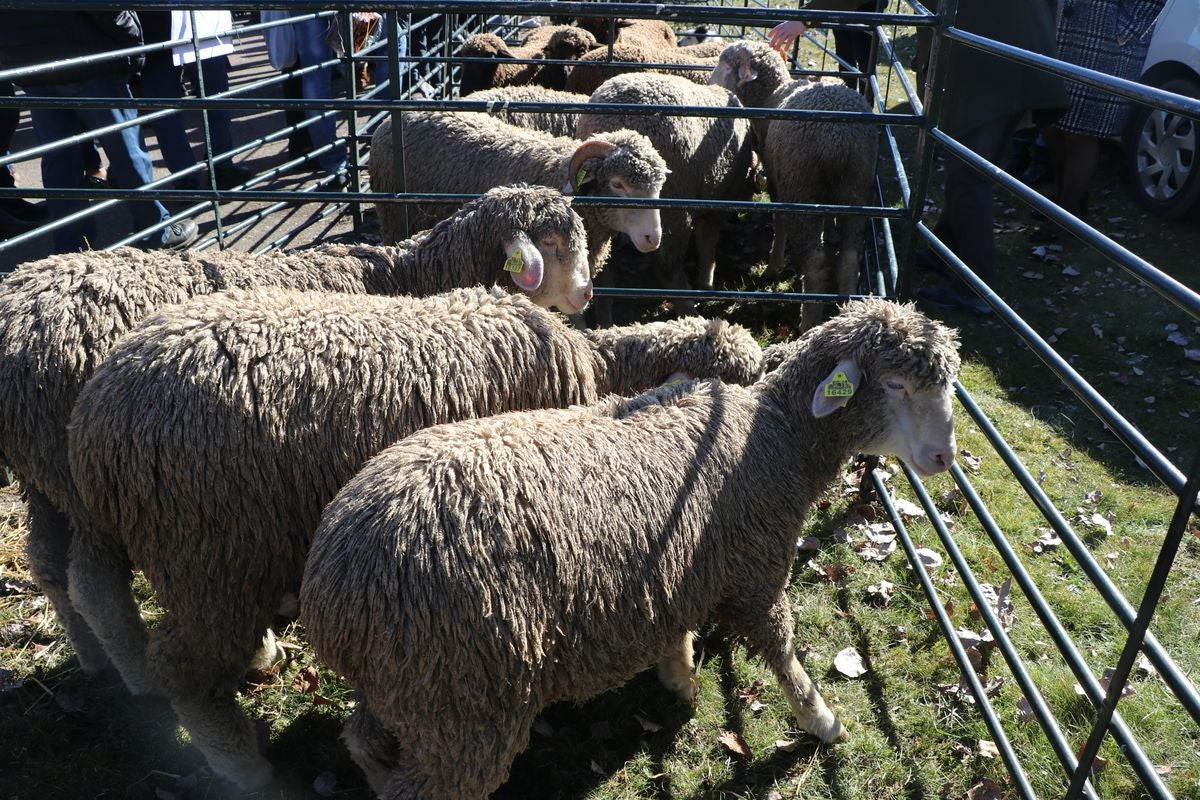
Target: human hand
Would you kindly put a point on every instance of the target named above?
(783, 34)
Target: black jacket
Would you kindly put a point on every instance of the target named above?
(39, 37)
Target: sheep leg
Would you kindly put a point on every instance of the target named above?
(772, 636)
(778, 247)
(47, 547)
(853, 231)
(705, 232)
(99, 577)
(675, 670)
(818, 279)
(202, 691)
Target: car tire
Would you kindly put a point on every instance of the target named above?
(1160, 155)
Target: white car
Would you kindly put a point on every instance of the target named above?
(1161, 146)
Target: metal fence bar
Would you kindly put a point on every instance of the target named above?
(1154, 590)
(1132, 438)
(1015, 771)
(1016, 665)
(1172, 675)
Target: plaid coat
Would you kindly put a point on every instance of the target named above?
(1109, 36)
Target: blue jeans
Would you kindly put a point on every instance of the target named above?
(129, 166)
(312, 48)
(161, 78)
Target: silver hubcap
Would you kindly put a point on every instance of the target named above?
(1166, 154)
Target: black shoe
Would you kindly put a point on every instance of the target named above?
(231, 175)
(24, 211)
(946, 296)
(178, 235)
(1045, 233)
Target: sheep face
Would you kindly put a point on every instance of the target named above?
(621, 164)
(749, 70)
(477, 76)
(545, 246)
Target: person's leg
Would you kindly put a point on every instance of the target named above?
(62, 168)
(16, 213)
(1080, 155)
(9, 119)
(161, 78)
(318, 85)
(216, 80)
(130, 166)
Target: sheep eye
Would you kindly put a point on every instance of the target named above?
(618, 186)
(550, 242)
(895, 386)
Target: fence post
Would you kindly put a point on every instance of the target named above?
(395, 89)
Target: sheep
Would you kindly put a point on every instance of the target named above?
(593, 69)
(555, 123)
(808, 161)
(60, 316)
(563, 43)
(710, 158)
(208, 442)
(653, 33)
(475, 572)
(449, 152)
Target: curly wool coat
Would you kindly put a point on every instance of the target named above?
(207, 444)
(473, 573)
(60, 316)
(468, 153)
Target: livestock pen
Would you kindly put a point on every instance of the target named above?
(1090, 520)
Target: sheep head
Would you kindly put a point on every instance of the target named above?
(621, 164)
(479, 76)
(544, 243)
(751, 70)
(883, 374)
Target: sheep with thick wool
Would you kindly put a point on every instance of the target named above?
(475, 572)
(596, 67)
(557, 42)
(710, 158)
(61, 315)
(808, 161)
(208, 442)
(449, 152)
(555, 123)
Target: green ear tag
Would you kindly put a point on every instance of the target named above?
(515, 262)
(580, 177)
(839, 386)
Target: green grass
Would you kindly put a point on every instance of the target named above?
(62, 736)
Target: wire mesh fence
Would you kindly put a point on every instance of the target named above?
(412, 57)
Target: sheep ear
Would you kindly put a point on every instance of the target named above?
(746, 73)
(836, 390)
(523, 262)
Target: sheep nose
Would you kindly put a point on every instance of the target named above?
(587, 294)
(653, 240)
(941, 459)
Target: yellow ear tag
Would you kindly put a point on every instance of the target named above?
(580, 177)
(839, 386)
(515, 262)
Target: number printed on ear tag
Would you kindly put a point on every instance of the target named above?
(580, 177)
(515, 262)
(839, 386)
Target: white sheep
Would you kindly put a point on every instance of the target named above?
(60, 316)
(710, 158)
(808, 161)
(207, 443)
(469, 153)
(475, 572)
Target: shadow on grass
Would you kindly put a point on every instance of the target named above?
(577, 747)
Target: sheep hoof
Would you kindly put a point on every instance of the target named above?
(829, 730)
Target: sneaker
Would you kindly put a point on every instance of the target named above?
(946, 296)
(927, 260)
(178, 235)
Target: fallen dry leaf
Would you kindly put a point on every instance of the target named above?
(786, 745)
(986, 789)
(907, 508)
(881, 593)
(849, 663)
(647, 725)
(808, 543)
(929, 559)
(1162, 770)
(735, 744)
(1024, 709)
(988, 749)
(1047, 541)
(306, 680)
(972, 461)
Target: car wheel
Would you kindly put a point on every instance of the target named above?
(1161, 155)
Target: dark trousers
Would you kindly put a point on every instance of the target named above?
(9, 119)
(857, 48)
(965, 224)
